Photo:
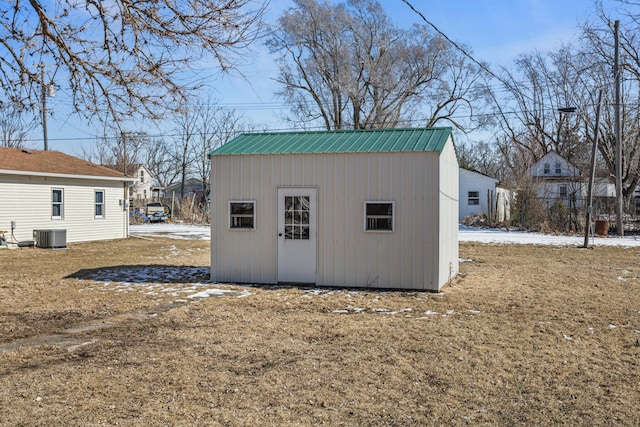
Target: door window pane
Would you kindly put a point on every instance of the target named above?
(296, 217)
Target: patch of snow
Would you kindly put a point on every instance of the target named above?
(218, 293)
(502, 236)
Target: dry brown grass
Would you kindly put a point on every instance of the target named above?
(527, 335)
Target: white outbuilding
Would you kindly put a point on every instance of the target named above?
(367, 208)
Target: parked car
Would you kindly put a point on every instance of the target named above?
(157, 212)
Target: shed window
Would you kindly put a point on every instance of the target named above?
(378, 216)
(474, 197)
(242, 215)
(57, 203)
(99, 203)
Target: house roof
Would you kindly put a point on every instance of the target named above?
(51, 163)
(341, 141)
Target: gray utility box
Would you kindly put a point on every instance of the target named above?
(51, 239)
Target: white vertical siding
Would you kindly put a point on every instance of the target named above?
(449, 193)
(27, 200)
(407, 258)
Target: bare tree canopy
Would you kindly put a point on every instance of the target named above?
(13, 129)
(120, 58)
(348, 65)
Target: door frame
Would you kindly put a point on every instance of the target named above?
(297, 259)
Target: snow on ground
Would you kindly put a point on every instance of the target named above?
(465, 234)
(191, 282)
(502, 236)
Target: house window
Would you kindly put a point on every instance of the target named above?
(378, 216)
(242, 215)
(547, 168)
(141, 176)
(474, 198)
(99, 203)
(563, 191)
(558, 168)
(57, 203)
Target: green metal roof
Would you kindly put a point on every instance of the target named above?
(342, 141)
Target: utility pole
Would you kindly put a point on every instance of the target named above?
(43, 86)
(616, 70)
(592, 174)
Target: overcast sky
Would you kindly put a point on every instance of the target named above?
(496, 30)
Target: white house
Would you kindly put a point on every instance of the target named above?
(481, 194)
(370, 208)
(558, 179)
(142, 189)
(48, 190)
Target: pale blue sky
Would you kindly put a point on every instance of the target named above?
(496, 30)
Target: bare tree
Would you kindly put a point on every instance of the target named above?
(120, 58)
(215, 127)
(348, 65)
(598, 51)
(13, 129)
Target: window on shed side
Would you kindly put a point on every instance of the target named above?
(378, 216)
(474, 197)
(57, 203)
(99, 203)
(242, 215)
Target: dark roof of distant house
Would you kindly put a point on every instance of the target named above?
(339, 141)
(36, 162)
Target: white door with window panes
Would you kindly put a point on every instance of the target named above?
(297, 235)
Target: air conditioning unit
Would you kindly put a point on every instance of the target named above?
(51, 239)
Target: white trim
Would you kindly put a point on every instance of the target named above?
(66, 175)
(61, 203)
(103, 204)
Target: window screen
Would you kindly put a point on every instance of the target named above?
(379, 216)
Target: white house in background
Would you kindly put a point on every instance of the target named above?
(142, 189)
(369, 208)
(558, 179)
(481, 194)
(48, 190)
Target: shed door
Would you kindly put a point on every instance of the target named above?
(297, 236)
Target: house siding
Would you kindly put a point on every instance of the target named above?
(484, 185)
(407, 258)
(27, 200)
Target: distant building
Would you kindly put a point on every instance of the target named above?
(142, 190)
(481, 194)
(558, 179)
(192, 187)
